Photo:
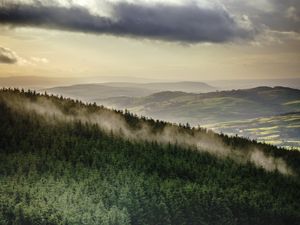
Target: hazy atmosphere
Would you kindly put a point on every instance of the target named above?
(157, 40)
(149, 112)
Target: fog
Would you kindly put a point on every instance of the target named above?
(111, 121)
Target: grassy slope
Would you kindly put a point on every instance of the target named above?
(74, 173)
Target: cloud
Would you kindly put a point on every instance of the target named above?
(39, 60)
(275, 21)
(8, 56)
(112, 122)
(187, 23)
(275, 15)
(291, 13)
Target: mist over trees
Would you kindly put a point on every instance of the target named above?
(75, 172)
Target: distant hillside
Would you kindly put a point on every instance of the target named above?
(184, 86)
(152, 84)
(252, 83)
(65, 162)
(255, 109)
(41, 82)
(207, 108)
(88, 92)
(32, 81)
(92, 92)
(282, 130)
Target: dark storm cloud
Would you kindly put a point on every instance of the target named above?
(7, 56)
(186, 23)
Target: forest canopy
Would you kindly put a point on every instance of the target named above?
(63, 162)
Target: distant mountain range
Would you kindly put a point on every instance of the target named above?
(252, 83)
(41, 82)
(93, 92)
(31, 81)
(181, 106)
(185, 86)
(213, 107)
(89, 92)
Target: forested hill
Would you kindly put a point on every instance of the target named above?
(64, 162)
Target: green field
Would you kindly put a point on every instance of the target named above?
(282, 130)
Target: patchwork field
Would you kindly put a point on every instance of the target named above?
(282, 130)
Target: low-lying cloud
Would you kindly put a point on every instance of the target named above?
(8, 56)
(187, 23)
(110, 121)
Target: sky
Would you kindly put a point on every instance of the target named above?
(158, 39)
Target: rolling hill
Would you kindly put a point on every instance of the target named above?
(244, 112)
(92, 92)
(184, 86)
(44, 82)
(281, 130)
(32, 81)
(65, 162)
(213, 107)
(252, 83)
(88, 92)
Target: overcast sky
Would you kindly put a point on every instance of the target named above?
(158, 39)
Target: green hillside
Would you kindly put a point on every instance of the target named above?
(63, 162)
(213, 107)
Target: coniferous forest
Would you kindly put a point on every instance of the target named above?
(68, 172)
